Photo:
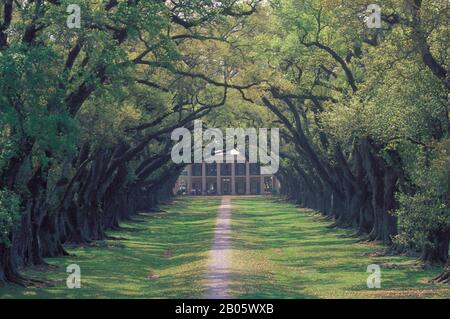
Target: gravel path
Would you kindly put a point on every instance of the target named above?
(219, 265)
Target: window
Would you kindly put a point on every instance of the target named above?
(196, 169)
(240, 187)
(225, 169)
(211, 169)
(254, 169)
(254, 187)
(240, 169)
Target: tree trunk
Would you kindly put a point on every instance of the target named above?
(437, 251)
(8, 269)
(444, 277)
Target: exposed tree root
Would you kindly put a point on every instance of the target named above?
(333, 226)
(443, 278)
(115, 238)
(25, 282)
(44, 267)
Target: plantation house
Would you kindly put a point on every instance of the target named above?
(236, 178)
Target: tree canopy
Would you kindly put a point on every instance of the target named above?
(86, 113)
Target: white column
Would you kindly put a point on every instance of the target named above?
(204, 178)
(233, 178)
(189, 179)
(219, 181)
(262, 184)
(247, 178)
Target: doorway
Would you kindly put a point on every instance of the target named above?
(226, 186)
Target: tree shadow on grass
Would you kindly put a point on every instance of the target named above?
(142, 268)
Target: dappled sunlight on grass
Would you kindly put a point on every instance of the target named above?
(281, 251)
(163, 255)
(277, 251)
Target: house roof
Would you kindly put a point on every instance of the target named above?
(234, 152)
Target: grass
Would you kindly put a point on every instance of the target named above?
(281, 251)
(278, 251)
(162, 255)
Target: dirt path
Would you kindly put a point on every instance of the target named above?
(220, 254)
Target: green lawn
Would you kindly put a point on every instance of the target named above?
(278, 251)
(164, 256)
(281, 251)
